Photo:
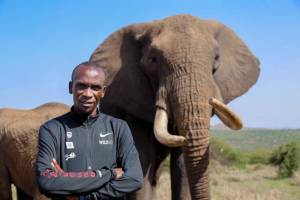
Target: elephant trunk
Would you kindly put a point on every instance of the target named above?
(195, 127)
(192, 112)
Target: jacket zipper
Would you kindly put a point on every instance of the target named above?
(89, 163)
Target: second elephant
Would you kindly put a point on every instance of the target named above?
(18, 148)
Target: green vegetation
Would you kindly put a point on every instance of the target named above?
(253, 139)
(275, 147)
(226, 153)
(287, 158)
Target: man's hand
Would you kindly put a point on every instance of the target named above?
(119, 173)
(56, 166)
(58, 169)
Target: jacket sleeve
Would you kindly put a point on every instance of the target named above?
(129, 159)
(52, 183)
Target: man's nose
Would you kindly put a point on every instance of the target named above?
(88, 92)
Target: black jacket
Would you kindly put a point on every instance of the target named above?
(87, 149)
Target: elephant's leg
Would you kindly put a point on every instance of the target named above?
(152, 167)
(179, 182)
(5, 184)
(152, 155)
(22, 195)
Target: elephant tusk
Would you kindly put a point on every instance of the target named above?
(227, 116)
(161, 131)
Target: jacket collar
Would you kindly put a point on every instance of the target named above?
(83, 118)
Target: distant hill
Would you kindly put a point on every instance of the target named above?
(221, 126)
(249, 139)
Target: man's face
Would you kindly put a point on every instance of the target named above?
(87, 89)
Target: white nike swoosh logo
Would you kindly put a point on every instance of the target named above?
(104, 135)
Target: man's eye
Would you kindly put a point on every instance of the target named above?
(96, 87)
(81, 86)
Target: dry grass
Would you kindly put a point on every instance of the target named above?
(253, 183)
(296, 179)
(164, 187)
(247, 184)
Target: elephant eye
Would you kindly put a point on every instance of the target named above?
(216, 64)
(152, 60)
(217, 57)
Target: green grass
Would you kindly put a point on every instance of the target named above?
(251, 139)
(224, 152)
(257, 147)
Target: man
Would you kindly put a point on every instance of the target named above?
(85, 154)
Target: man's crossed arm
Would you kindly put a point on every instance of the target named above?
(117, 171)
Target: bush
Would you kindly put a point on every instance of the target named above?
(287, 158)
(259, 157)
(226, 154)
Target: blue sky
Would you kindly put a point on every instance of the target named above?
(41, 42)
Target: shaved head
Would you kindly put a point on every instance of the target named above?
(87, 65)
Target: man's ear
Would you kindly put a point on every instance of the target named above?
(70, 87)
(103, 92)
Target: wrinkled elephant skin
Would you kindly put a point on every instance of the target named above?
(18, 148)
(171, 75)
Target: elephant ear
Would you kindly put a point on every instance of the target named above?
(237, 69)
(128, 88)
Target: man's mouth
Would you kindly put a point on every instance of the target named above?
(87, 104)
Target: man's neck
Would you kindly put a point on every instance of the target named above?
(85, 115)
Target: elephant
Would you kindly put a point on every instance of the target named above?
(18, 148)
(173, 75)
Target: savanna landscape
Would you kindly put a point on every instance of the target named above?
(245, 172)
